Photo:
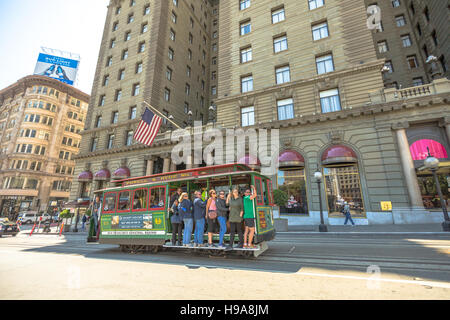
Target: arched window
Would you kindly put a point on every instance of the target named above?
(291, 180)
(342, 181)
(419, 149)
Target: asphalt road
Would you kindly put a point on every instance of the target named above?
(296, 266)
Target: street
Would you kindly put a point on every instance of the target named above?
(296, 266)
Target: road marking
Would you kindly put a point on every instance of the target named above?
(444, 285)
(292, 250)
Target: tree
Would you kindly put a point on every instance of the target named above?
(280, 198)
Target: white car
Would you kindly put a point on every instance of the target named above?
(32, 217)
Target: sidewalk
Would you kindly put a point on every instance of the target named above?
(378, 229)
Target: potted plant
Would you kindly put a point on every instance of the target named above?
(65, 215)
(280, 198)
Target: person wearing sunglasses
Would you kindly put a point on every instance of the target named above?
(236, 213)
(185, 209)
(249, 217)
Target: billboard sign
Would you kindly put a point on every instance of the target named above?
(57, 64)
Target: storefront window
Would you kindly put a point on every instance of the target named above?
(85, 190)
(342, 184)
(293, 183)
(429, 192)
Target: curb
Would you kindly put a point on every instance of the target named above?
(368, 232)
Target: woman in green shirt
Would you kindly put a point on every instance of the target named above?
(249, 217)
(236, 213)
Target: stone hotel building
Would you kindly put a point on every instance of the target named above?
(310, 68)
(41, 120)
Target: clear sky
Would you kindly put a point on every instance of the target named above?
(68, 25)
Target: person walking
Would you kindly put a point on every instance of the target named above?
(185, 210)
(211, 216)
(199, 217)
(177, 225)
(249, 217)
(236, 213)
(222, 213)
(347, 214)
(83, 223)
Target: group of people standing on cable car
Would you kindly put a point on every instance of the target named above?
(213, 209)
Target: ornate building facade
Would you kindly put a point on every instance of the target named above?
(41, 120)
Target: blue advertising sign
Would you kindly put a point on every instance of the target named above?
(60, 68)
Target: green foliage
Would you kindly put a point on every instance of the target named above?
(88, 212)
(65, 214)
(280, 197)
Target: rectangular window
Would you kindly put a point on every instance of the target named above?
(133, 111)
(395, 3)
(285, 109)
(330, 101)
(141, 47)
(246, 84)
(314, 4)
(417, 82)
(280, 44)
(171, 54)
(140, 197)
(118, 95)
(110, 141)
(115, 117)
(389, 65)
(124, 54)
(157, 198)
(166, 94)
(247, 116)
(383, 46)
(324, 64)
(320, 31)
(400, 20)
(412, 62)
(278, 15)
(109, 202)
(246, 27)
(129, 138)
(244, 4)
(138, 67)
(123, 203)
(246, 55)
(146, 10)
(136, 89)
(283, 75)
(406, 41)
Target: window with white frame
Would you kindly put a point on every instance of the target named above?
(285, 109)
(280, 44)
(246, 84)
(400, 20)
(246, 27)
(382, 46)
(395, 3)
(278, 15)
(330, 101)
(247, 116)
(406, 41)
(417, 81)
(246, 55)
(314, 4)
(283, 74)
(320, 31)
(324, 64)
(244, 4)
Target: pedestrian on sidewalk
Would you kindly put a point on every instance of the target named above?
(347, 214)
(83, 224)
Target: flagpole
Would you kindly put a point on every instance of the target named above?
(159, 113)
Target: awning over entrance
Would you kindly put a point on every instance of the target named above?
(290, 159)
(339, 154)
(76, 204)
(121, 173)
(85, 176)
(103, 174)
(251, 161)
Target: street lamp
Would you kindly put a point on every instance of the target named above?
(322, 226)
(432, 163)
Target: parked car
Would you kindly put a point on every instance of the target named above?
(32, 217)
(8, 228)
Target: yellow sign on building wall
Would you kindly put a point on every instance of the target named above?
(386, 205)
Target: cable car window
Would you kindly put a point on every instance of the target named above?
(259, 198)
(124, 201)
(269, 188)
(264, 192)
(157, 198)
(140, 200)
(109, 202)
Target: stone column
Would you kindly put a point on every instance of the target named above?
(446, 124)
(166, 166)
(173, 167)
(408, 166)
(189, 164)
(150, 165)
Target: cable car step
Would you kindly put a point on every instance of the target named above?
(257, 247)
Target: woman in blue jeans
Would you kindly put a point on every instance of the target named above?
(185, 210)
(222, 214)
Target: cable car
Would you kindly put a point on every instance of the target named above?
(135, 213)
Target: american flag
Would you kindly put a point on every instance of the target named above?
(148, 128)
